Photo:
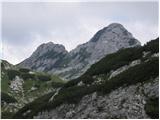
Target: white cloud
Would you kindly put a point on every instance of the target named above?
(27, 25)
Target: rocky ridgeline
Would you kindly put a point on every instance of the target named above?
(53, 58)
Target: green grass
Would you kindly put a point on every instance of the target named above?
(5, 83)
(7, 115)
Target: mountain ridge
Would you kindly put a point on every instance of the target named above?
(74, 63)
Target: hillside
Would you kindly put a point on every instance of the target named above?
(21, 86)
(53, 58)
(124, 84)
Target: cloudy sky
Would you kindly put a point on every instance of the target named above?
(26, 25)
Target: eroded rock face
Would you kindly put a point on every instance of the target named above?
(124, 102)
(17, 84)
(53, 58)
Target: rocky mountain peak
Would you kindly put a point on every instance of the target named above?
(53, 58)
(51, 46)
(111, 32)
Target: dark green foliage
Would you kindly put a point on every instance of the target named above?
(34, 106)
(12, 73)
(24, 70)
(37, 85)
(2, 65)
(72, 83)
(87, 79)
(133, 75)
(57, 84)
(44, 77)
(26, 76)
(152, 46)
(68, 95)
(114, 61)
(7, 115)
(6, 98)
(152, 107)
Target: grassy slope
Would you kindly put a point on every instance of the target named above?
(36, 79)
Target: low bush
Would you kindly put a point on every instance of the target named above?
(7, 115)
(139, 73)
(34, 106)
(44, 77)
(152, 107)
(12, 73)
(152, 46)
(57, 84)
(114, 61)
(26, 76)
(24, 70)
(6, 98)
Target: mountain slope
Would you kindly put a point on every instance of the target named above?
(54, 58)
(21, 86)
(123, 85)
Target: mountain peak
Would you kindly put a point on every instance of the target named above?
(55, 59)
(50, 46)
(112, 25)
(111, 32)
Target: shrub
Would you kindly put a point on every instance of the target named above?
(6, 98)
(152, 46)
(25, 70)
(139, 73)
(114, 61)
(7, 115)
(57, 84)
(72, 83)
(44, 77)
(152, 107)
(26, 76)
(33, 106)
(87, 79)
(12, 73)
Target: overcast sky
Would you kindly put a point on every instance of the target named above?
(26, 25)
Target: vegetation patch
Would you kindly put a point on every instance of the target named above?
(152, 107)
(6, 98)
(12, 73)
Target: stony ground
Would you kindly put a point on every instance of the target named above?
(125, 102)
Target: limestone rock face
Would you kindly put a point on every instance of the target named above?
(124, 102)
(53, 58)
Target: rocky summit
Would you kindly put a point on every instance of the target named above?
(53, 58)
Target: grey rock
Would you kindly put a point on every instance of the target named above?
(125, 102)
